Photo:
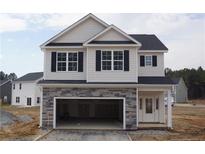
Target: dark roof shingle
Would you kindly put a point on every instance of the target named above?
(31, 76)
(154, 80)
(149, 42)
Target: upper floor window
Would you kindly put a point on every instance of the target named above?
(106, 60)
(67, 61)
(61, 61)
(112, 60)
(20, 86)
(13, 86)
(118, 60)
(148, 60)
(72, 61)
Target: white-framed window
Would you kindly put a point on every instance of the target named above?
(38, 100)
(13, 86)
(20, 86)
(112, 60)
(17, 99)
(148, 60)
(72, 61)
(118, 60)
(106, 60)
(61, 61)
(67, 61)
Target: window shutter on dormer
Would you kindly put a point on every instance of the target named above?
(53, 62)
(154, 61)
(142, 61)
(126, 60)
(80, 61)
(98, 60)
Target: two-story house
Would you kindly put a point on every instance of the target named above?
(25, 90)
(97, 76)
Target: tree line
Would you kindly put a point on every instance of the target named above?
(193, 78)
(4, 76)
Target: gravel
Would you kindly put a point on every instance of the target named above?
(7, 118)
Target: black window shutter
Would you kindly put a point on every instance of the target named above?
(98, 60)
(80, 61)
(142, 62)
(53, 62)
(154, 61)
(126, 60)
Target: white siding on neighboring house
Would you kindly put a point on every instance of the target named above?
(181, 91)
(111, 76)
(150, 70)
(82, 32)
(28, 90)
(111, 35)
(48, 75)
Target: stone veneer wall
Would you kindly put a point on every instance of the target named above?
(50, 93)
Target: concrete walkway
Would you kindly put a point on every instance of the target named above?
(85, 135)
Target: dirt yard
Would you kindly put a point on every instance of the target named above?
(21, 130)
(188, 124)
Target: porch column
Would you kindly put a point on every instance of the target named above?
(169, 109)
(137, 109)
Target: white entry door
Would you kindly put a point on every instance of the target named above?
(148, 112)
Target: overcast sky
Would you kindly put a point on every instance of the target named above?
(21, 35)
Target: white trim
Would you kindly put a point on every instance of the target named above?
(137, 108)
(67, 61)
(111, 45)
(41, 106)
(115, 28)
(120, 98)
(169, 109)
(112, 60)
(62, 47)
(145, 60)
(74, 25)
(152, 51)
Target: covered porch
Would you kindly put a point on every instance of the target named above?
(154, 111)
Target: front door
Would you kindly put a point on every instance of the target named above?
(148, 115)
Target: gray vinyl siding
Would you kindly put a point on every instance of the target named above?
(5, 90)
(181, 92)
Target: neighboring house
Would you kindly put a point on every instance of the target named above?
(96, 75)
(25, 91)
(5, 91)
(180, 90)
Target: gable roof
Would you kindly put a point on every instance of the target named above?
(2, 82)
(176, 80)
(31, 77)
(90, 15)
(154, 80)
(149, 42)
(116, 29)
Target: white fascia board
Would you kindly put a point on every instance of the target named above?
(74, 25)
(146, 51)
(115, 28)
(111, 45)
(60, 47)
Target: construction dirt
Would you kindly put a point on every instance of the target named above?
(188, 124)
(21, 130)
